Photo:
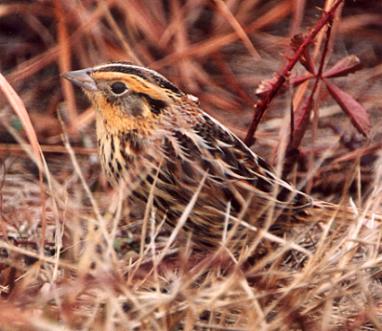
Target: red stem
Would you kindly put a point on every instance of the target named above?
(264, 101)
(296, 140)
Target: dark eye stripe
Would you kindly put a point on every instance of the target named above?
(156, 106)
(143, 73)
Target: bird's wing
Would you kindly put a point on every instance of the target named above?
(235, 173)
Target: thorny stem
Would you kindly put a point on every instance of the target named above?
(318, 77)
(315, 96)
(294, 141)
(264, 101)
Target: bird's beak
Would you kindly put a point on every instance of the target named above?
(82, 79)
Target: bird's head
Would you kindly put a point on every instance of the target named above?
(124, 93)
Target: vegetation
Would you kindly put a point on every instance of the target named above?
(70, 258)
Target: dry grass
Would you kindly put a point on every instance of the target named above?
(69, 257)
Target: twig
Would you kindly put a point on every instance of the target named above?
(264, 101)
(295, 141)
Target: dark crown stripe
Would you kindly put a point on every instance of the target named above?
(144, 73)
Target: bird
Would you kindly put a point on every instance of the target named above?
(156, 141)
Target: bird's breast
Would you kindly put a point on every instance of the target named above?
(127, 156)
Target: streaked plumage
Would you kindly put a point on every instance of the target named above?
(151, 133)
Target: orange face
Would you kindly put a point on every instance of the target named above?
(125, 96)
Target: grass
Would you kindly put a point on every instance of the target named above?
(70, 257)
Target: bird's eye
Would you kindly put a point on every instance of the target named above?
(118, 87)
